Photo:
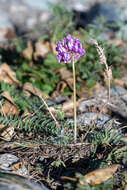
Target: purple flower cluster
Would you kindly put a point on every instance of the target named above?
(68, 48)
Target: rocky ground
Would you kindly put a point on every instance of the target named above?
(21, 16)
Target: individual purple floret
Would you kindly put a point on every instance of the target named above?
(68, 48)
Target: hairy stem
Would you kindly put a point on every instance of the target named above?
(74, 94)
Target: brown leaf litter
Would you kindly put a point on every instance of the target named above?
(7, 75)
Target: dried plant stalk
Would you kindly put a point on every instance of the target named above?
(108, 78)
(108, 71)
(53, 117)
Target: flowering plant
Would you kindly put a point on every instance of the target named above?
(70, 50)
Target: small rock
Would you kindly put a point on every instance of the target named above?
(5, 25)
(122, 33)
(101, 14)
(50, 102)
(118, 106)
(31, 23)
(118, 91)
(86, 105)
(23, 15)
(60, 99)
(22, 171)
(104, 36)
(80, 5)
(117, 103)
(85, 119)
(41, 159)
(7, 160)
(4, 20)
(108, 11)
(123, 14)
(39, 4)
(124, 97)
(44, 16)
(9, 181)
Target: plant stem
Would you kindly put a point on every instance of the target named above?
(74, 94)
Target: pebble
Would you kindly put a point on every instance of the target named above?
(124, 98)
(103, 36)
(117, 103)
(60, 99)
(118, 91)
(85, 119)
(22, 171)
(7, 160)
(50, 102)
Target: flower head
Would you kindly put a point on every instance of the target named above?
(69, 47)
